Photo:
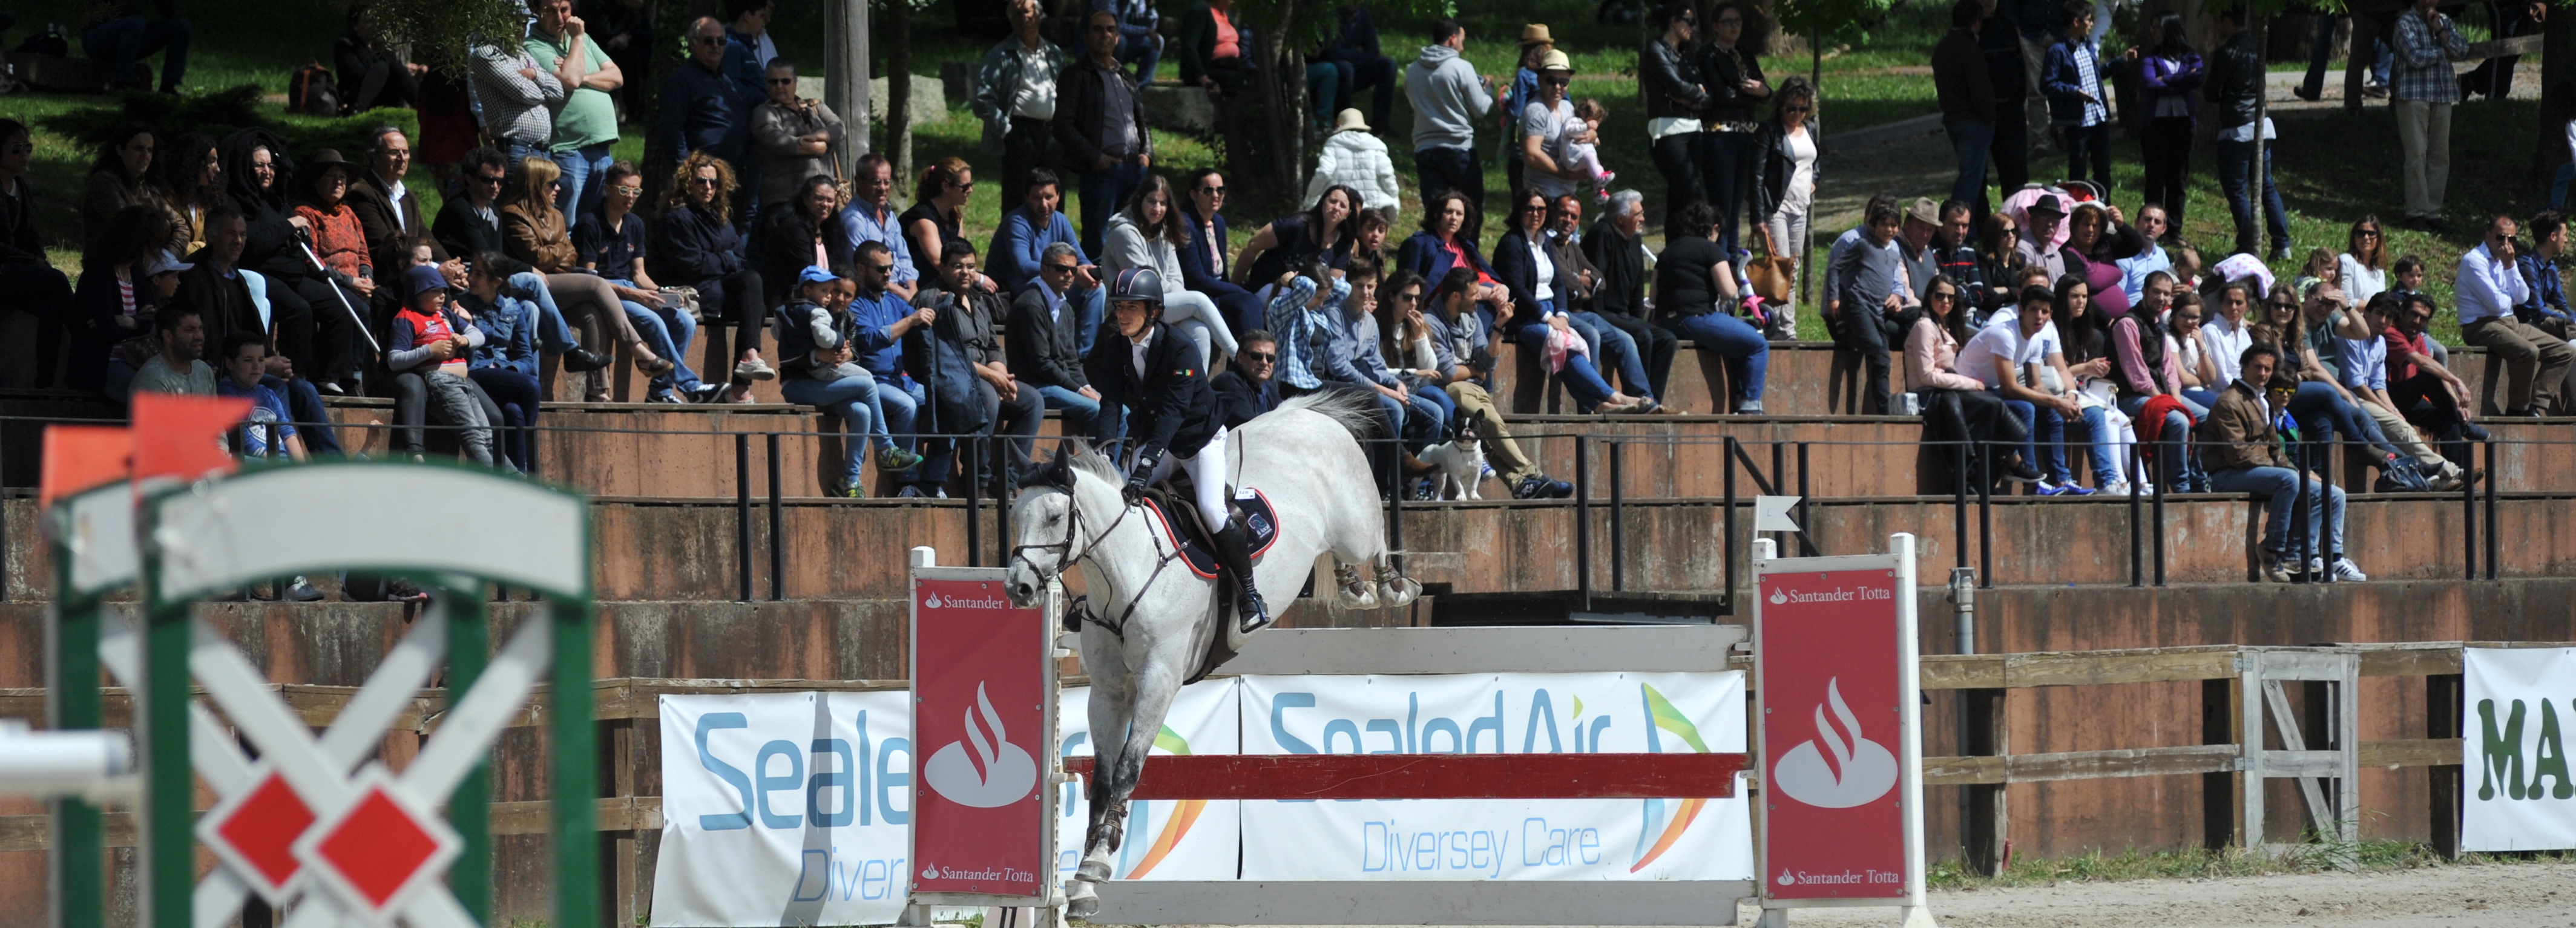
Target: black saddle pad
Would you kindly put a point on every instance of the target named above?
(1250, 509)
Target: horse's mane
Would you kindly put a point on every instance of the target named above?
(1081, 454)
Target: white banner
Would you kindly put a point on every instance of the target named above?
(2520, 704)
(1190, 839)
(1475, 839)
(784, 809)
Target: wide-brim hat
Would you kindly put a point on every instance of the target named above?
(1350, 120)
(327, 159)
(1536, 34)
(1556, 60)
(1925, 211)
(2048, 204)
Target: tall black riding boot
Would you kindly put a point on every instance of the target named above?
(1236, 549)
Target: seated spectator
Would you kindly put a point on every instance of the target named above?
(959, 357)
(611, 244)
(505, 364)
(2362, 354)
(1212, 49)
(429, 344)
(2490, 286)
(807, 230)
(339, 246)
(387, 211)
(115, 305)
(2431, 398)
(2096, 242)
(1371, 243)
(1429, 414)
(794, 136)
(2039, 244)
(1463, 360)
(1354, 157)
(121, 176)
(817, 345)
(2150, 257)
(1354, 50)
(1026, 230)
(1204, 247)
(1998, 265)
(1643, 356)
(2321, 406)
(28, 283)
(1695, 298)
(1542, 323)
(269, 431)
(233, 300)
(519, 96)
(370, 75)
(189, 174)
(2078, 369)
(1045, 342)
(1869, 299)
(1957, 407)
(1139, 42)
(871, 218)
(1615, 249)
(1244, 391)
(695, 245)
(1445, 243)
(2545, 308)
(118, 34)
(538, 234)
(2000, 357)
(179, 366)
(2185, 328)
(1326, 231)
(938, 216)
(1147, 234)
(470, 224)
(2146, 368)
(2243, 452)
(312, 317)
(882, 323)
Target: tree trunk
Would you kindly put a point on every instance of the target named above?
(1282, 92)
(2557, 97)
(899, 92)
(2262, 112)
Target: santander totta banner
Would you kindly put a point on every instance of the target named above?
(1834, 724)
(981, 722)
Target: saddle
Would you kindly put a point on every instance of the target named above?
(1172, 503)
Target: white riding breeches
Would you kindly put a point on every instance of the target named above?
(1207, 478)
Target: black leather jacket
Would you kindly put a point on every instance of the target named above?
(1670, 82)
(2235, 79)
(1771, 144)
(1725, 74)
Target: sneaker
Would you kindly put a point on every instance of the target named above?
(1749, 408)
(2049, 488)
(2022, 472)
(1485, 471)
(2348, 572)
(896, 459)
(1541, 487)
(666, 397)
(2117, 488)
(1424, 491)
(847, 491)
(2276, 568)
(755, 369)
(2071, 488)
(910, 492)
(302, 591)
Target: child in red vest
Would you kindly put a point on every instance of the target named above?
(433, 342)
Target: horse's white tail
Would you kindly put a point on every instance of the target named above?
(1353, 410)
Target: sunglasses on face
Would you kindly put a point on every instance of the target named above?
(2368, 233)
(1556, 81)
(882, 268)
(1213, 191)
(709, 40)
(1260, 357)
(1060, 268)
(493, 179)
(967, 185)
(1797, 109)
(702, 182)
(782, 82)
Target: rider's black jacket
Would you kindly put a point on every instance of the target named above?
(1169, 406)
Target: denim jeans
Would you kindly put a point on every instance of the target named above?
(859, 404)
(2323, 415)
(1145, 48)
(1729, 160)
(2235, 170)
(516, 395)
(1426, 418)
(554, 336)
(126, 38)
(1618, 351)
(669, 331)
(1971, 145)
(1080, 412)
(1451, 169)
(1580, 378)
(580, 167)
(2279, 488)
(2175, 464)
(1103, 192)
(2028, 413)
(1748, 354)
(2104, 439)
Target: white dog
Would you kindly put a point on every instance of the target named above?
(1459, 462)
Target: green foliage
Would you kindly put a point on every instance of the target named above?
(1835, 19)
(222, 113)
(440, 31)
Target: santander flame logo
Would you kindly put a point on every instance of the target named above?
(1859, 771)
(995, 773)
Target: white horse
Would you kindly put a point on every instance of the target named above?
(1151, 616)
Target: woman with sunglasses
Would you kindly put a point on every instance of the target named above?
(1960, 404)
(2364, 263)
(2321, 406)
(1668, 76)
(1784, 186)
(1736, 88)
(1524, 266)
(938, 215)
(695, 245)
(536, 232)
(1147, 234)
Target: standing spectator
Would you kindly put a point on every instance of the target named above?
(180, 366)
(1147, 234)
(537, 233)
(1138, 39)
(1448, 96)
(808, 230)
(373, 76)
(960, 358)
(624, 28)
(1967, 95)
(2037, 24)
(2075, 104)
(1695, 296)
(1015, 90)
(1870, 292)
(938, 215)
(340, 243)
(1212, 48)
(1735, 89)
(2321, 51)
(1325, 232)
(1046, 341)
(505, 365)
(747, 27)
(795, 136)
(1999, 40)
(1616, 250)
(871, 218)
(120, 35)
(2364, 263)
(1100, 123)
(28, 283)
(818, 340)
(2422, 89)
(2243, 453)
(1204, 246)
(1784, 189)
(703, 107)
(1355, 51)
(586, 125)
(1546, 127)
(2171, 76)
(121, 176)
(1024, 234)
(2235, 87)
(611, 243)
(2490, 285)
(1959, 403)
(1243, 391)
(1354, 157)
(387, 210)
(695, 245)
(1669, 79)
(519, 101)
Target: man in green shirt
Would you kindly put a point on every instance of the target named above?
(586, 127)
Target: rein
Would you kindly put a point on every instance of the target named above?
(1073, 527)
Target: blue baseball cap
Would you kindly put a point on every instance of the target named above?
(422, 279)
(816, 274)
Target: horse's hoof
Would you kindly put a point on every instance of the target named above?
(1361, 598)
(1092, 871)
(1081, 900)
(1399, 592)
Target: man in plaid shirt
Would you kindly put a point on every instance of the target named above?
(2423, 89)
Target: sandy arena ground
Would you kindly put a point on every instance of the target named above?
(2531, 895)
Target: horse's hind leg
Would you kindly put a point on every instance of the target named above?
(1355, 592)
(1394, 588)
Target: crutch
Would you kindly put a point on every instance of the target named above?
(354, 318)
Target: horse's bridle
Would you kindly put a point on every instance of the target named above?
(1072, 528)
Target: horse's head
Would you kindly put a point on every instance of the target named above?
(1063, 507)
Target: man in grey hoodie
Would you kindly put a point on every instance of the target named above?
(1448, 97)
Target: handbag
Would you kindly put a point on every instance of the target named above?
(683, 298)
(1774, 276)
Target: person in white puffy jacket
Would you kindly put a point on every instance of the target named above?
(1354, 158)
(1147, 234)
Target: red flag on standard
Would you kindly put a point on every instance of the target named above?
(182, 436)
(78, 457)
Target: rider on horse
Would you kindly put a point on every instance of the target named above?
(1154, 391)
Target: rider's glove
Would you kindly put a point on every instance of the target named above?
(1143, 473)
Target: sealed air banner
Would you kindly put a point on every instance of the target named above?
(784, 809)
(2517, 718)
(1166, 839)
(1496, 839)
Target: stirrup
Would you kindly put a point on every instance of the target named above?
(1254, 618)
